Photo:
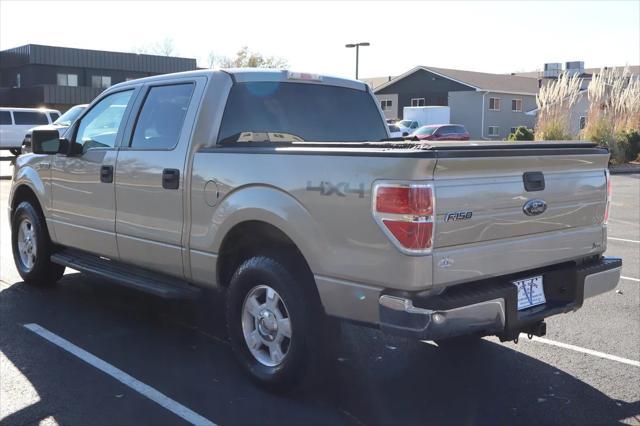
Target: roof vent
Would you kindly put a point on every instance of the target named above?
(574, 68)
(552, 69)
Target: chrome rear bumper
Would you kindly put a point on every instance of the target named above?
(490, 307)
(399, 316)
(601, 282)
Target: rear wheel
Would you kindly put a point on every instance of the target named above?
(274, 323)
(32, 247)
(15, 151)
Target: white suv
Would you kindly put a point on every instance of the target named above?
(15, 122)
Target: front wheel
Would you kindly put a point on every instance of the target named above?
(32, 247)
(15, 151)
(274, 323)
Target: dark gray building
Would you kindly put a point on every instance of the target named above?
(489, 105)
(60, 77)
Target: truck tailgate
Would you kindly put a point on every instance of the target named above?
(481, 201)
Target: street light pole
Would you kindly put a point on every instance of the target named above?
(357, 46)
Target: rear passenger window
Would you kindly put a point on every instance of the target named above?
(54, 116)
(162, 116)
(28, 117)
(5, 117)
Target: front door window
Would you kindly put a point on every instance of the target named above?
(99, 128)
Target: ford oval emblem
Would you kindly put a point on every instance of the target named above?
(534, 207)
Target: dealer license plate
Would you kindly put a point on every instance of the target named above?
(530, 292)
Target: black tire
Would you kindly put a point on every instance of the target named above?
(42, 271)
(15, 151)
(304, 357)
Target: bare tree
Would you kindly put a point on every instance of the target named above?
(246, 58)
(211, 59)
(164, 47)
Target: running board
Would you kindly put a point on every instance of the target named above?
(127, 275)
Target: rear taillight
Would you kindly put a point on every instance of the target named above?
(607, 177)
(405, 213)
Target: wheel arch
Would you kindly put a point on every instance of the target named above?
(253, 238)
(25, 192)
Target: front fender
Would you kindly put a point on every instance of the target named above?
(26, 175)
(266, 204)
(29, 177)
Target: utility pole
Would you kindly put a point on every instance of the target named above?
(357, 46)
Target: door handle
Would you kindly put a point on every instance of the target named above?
(533, 181)
(106, 174)
(170, 178)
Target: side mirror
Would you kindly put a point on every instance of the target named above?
(46, 142)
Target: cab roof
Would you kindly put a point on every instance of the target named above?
(243, 75)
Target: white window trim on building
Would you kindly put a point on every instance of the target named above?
(386, 104)
(67, 79)
(517, 100)
(417, 104)
(105, 81)
(495, 100)
(495, 132)
(582, 122)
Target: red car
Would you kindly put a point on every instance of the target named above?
(441, 132)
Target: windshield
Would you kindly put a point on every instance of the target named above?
(404, 123)
(393, 128)
(426, 130)
(258, 111)
(70, 116)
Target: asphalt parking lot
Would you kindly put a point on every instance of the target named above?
(585, 371)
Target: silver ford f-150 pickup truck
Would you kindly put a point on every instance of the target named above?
(284, 190)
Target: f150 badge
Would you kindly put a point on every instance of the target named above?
(456, 216)
(341, 189)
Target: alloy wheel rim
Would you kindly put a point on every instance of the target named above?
(27, 244)
(266, 326)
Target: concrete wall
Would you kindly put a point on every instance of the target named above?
(467, 107)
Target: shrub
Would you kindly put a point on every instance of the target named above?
(555, 102)
(631, 140)
(521, 134)
(614, 111)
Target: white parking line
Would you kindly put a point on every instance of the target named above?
(585, 351)
(145, 390)
(622, 239)
(631, 279)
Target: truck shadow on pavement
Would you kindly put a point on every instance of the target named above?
(180, 349)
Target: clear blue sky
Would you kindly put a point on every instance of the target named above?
(484, 36)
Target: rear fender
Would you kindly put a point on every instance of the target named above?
(270, 205)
